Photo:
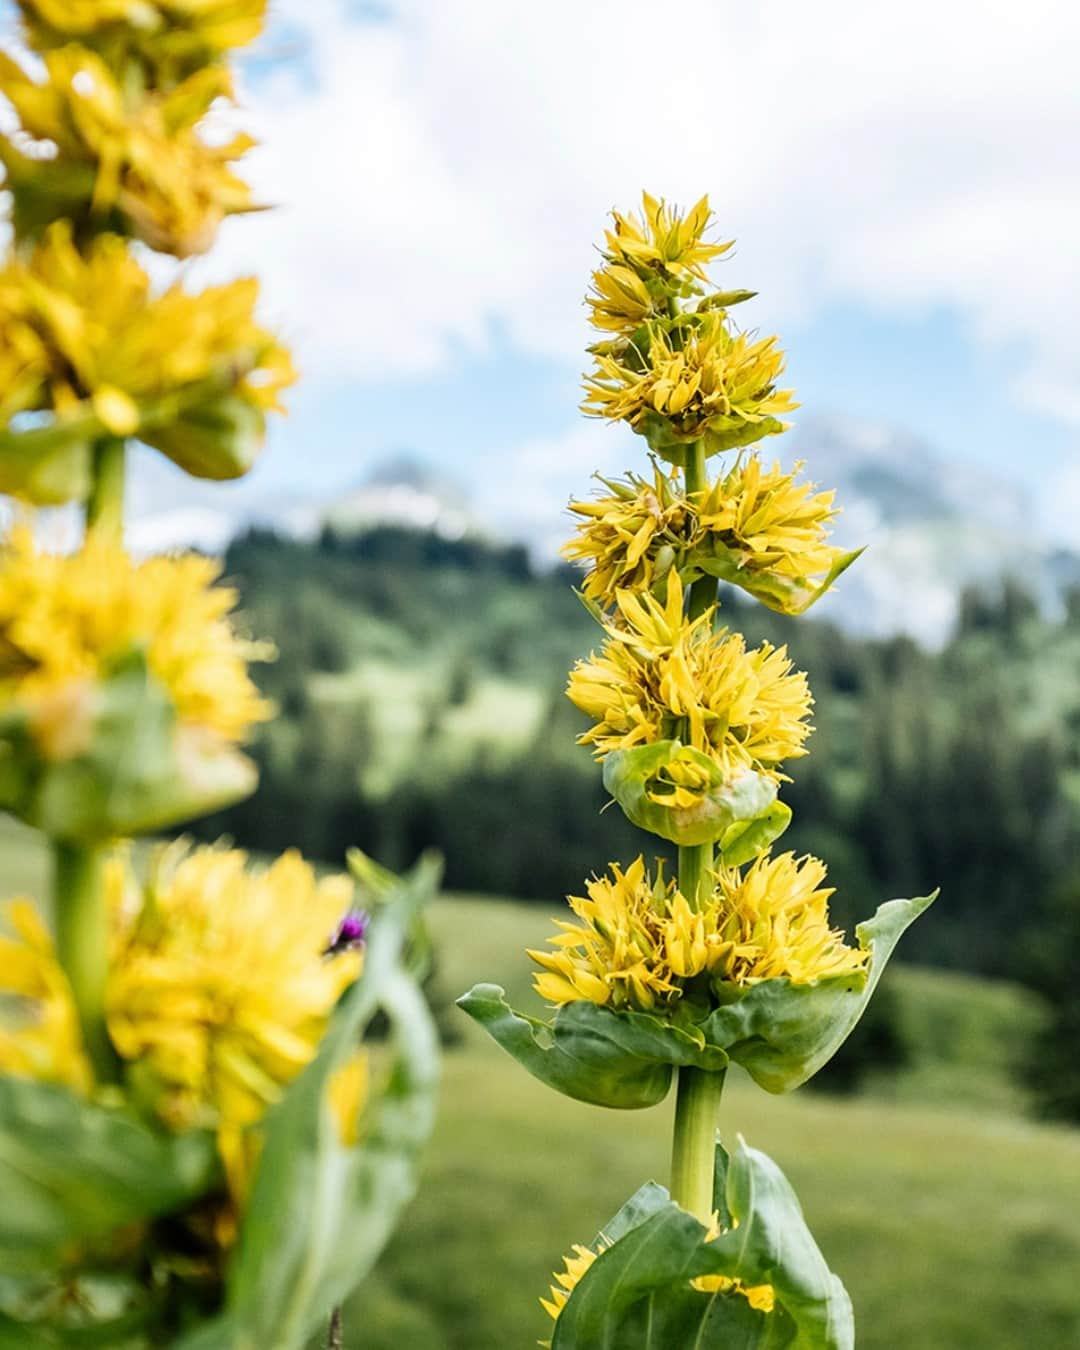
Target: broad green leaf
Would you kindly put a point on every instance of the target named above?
(621, 1060)
(51, 464)
(781, 1033)
(743, 841)
(322, 1207)
(74, 1172)
(640, 778)
(140, 772)
(638, 1293)
(785, 595)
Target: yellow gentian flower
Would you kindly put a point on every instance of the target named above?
(137, 165)
(65, 620)
(659, 676)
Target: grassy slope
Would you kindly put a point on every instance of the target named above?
(954, 1226)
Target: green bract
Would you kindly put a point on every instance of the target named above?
(637, 1295)
(741, 813)
(785, 595)
(139, 772)
(721, 433)
(781, 1033)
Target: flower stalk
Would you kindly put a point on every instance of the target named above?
(82, 944)
(693, 1148)
(105, 505)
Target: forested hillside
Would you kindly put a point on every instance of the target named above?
(420, 681)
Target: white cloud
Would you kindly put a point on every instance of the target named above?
(451, 168)
(1061, 506)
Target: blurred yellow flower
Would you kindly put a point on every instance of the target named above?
(138, 166)
(700, 379)
(66, 619)
(638, 941)
(40, 1036)
(171, 37)
(220, 989)
(660, 676)
(85, 339)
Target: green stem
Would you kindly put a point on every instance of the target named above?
(105, 507)
(82, 936)
(693, 1151)
(702, 591)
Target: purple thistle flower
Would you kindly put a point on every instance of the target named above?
(350, 933)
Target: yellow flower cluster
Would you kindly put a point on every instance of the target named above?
(761, 1297)
(40, 1036)
(753, 525)
(699, 378)
(84, 338)
(171, 37)
(638, 941)
(645, 258)
(659, 676)
(138, 165)
(218, 989)
(65, 619)
(677, 376)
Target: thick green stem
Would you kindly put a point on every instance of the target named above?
(82, 937)
(693, 1151)
(105, 507)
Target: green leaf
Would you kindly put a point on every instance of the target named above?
(743, 841)
(322, 1208)
(781, 1033)
(218, 438)
(51, 464)
(638, 1295)
(636, 778)
(73, 1172)
(140, 771)
(585, 1052)
(785, 595)
(729, 433)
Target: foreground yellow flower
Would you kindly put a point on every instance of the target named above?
(638, 942)
(757, 528)
(66, 620)
(83, 338)
(701, 380)
(659, 676)
(139, 166)
(170, 37)
(220, 989)
(663, 238)
(40, 1036)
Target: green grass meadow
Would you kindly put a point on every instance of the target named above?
(952, 1217)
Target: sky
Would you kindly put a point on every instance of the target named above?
(903, 183)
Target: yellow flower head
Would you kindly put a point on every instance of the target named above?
(566, 1280)
(170, 37)
(659, 676)
(702, 380)
(83, 338)
(65, 620)
(772, 921)
(138, 166)
(40, 1037)
(632, 535)
(219, 989)
(758, 528)
(616, 954)
(638, 941)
